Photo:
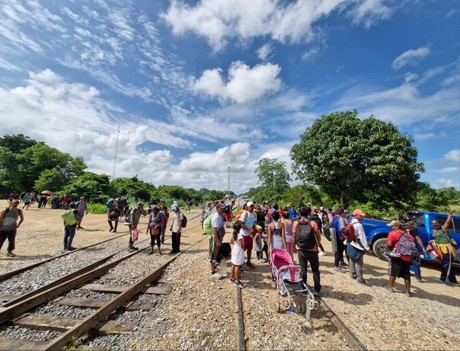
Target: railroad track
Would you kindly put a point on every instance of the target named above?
(20, 312)
(322, 318)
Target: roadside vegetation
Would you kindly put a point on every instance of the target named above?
(340, 161)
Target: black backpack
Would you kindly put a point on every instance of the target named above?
(305, 238)
(184, 220)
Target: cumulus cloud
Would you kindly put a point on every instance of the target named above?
(264, 52)
(410, 57)
(244, 84)
(453, 155)
(286, 22)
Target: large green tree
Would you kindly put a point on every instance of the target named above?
(274, 178)
(26, 163)
(358, 160)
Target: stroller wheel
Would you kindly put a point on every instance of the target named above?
(311, 304)
(286, 304)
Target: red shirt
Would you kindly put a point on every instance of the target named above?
(393, 240)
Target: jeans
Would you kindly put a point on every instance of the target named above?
(356, 268)
(417, 270)
(69, 233)
(11, 236)
(175, 242)
(312, 257)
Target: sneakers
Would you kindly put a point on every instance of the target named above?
(322, 253)
(10, 254)
(133, 248)
(215, 275)
(238, 284)
(354, 276)
(231, 280)
(250, 265)
(364, 282)
(338, 269)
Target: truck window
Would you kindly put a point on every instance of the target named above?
(453, 228)
(420, 221)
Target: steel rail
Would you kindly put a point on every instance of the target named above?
(10, 274)
(241, 332)
(349, 335)
(99, 318)
(7, 313)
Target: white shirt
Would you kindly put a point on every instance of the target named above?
(248, 219)
(177, 222)
(360, 234)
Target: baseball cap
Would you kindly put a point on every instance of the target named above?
(219, 205)
(408, 218)
(175, 207)
(15, 201)
(358, 212)
(435, 222)
(394, 223)
(250, 203)
(154, 207)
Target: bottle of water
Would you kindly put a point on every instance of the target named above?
(223, 270)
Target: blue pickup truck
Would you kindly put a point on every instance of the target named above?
(377, 230)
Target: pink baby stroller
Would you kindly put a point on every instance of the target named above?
(295, 294)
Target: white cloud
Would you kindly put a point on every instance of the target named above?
(410, 57)
(453, 155)
(368, 12)
(286, 22)
(264, 52)
(244, 84)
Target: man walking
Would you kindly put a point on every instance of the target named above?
(135, 216)
(9, 226)
(306, 238)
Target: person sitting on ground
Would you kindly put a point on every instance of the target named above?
(399, 267)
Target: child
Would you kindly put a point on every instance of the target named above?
(237, 255)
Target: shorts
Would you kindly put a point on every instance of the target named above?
(400, 268)
(247, 242)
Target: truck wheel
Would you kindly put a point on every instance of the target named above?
(379, 247)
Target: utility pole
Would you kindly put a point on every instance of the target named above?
(116, 151)
(228, 180)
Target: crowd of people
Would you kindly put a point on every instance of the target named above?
(260, 228)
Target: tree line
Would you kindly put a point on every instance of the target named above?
(27, 165)
(340, 161)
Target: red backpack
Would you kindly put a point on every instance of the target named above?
(349, 233)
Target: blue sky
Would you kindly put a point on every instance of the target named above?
(198, 86)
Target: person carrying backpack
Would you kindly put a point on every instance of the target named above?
(306, 237)
(399, 267)
(356, 264)
(446, 249)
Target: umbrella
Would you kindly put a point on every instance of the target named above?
(46, 192)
